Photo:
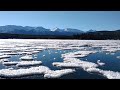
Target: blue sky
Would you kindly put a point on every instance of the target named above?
(83, 20)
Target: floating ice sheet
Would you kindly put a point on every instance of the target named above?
(4, 56)
(3, 60)
(28, 63)
(27, 57)
(22, 63)
(78, 54)
(9, 45)
(11, 53)
(22, 72)
(10, 63)
(109, 74)
(11, 73)
(74, 62)
(100, 63)
(118, 57)
(58, 73)
(31, 46)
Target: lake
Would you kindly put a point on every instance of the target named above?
(97, 59)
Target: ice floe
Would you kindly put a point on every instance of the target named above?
(3, 60)
(43, 55)
(110, 49)
(5, 50)
(22, 72)
(74, 62)
(10, 47)
(78, 54)
(4, 56)
(12, 73)
(11, 68)
(108, 74)
(10, 63)
(28, 63)
(22, 63)
(56, 52)
(118, 57)
(27, 57)
(100, 63)
(11, 53)
(58, 73)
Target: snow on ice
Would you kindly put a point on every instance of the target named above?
(12, 73)
(22, 63)
(22, 72)
(27, 57)
(108, 74)
(58, 73)
(78, 54)
(10, 63)
(100, 63)
(4, 56)
(28, 63)
(9, 47)
(74, 62)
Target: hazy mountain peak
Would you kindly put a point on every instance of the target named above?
(14, 29)
(55, 29)
(91, 30)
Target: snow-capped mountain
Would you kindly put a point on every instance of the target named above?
(73, 30)
(67, 31)
(14, 29)
(91, 30)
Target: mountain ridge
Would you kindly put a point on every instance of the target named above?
(15, 29)
(28, 32)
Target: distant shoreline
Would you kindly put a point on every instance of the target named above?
(98, 35)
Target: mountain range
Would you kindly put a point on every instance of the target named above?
(27, 32)
(14, 29)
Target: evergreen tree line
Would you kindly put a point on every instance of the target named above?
(98, 35)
